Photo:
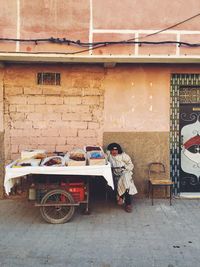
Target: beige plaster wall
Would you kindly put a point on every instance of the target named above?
(137, 99)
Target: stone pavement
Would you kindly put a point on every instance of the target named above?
(157, 236)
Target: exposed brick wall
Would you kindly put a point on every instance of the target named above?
(55, 118)
(1, 133)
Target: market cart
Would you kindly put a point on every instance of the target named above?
(57, 200)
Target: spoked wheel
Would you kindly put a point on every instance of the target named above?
(57, 207)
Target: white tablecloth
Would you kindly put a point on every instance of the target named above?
(96, 170)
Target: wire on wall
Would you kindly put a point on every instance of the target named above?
(95, 45)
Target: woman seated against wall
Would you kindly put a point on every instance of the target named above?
(122, 167)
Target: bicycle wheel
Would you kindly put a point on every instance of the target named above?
(58, 212)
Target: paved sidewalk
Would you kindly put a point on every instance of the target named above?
(159, 235)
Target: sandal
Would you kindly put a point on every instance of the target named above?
(128, 208)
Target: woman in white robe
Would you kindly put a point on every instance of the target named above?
(121, 163)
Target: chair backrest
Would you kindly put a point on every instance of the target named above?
(156, 170)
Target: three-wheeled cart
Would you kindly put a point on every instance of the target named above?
(57, 200)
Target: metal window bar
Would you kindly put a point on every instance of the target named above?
(48, 78)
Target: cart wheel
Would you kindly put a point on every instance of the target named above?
(57, 214)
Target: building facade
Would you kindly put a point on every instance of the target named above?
(74, 73)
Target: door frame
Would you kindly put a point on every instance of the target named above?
(177, 80)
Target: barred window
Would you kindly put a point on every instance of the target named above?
(48, 78)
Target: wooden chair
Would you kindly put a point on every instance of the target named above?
(158, 178)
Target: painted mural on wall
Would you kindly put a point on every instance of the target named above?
(190, 150)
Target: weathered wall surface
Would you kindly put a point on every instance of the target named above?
(137, 99)
(1, 131)
(55, 118)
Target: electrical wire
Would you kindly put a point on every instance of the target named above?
(168, 28)
(96, 45)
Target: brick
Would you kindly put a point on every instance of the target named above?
(71, 140)
(49, 140)
(52, 116)
(34, 141)
(61, 108)
(100, 136)
(14, 149)
(61, 141)
(71, 108)
(36, 100)
(44, 108)
(17, 116)
(58, 124)
(54, 100)
(93, 125)
(93, 92)
(13, 90)
(35, 116)
(91, 141)
(71, 116)
(78, 125)
(101, 100)
(11, 108)
(22, 124)
(24, 108)
(86, 133)
(14, 132)
(91, 100)
(77, 116)
(79, 108)
(17, 100)
(40, 124)
(20, 140)
(47, 148)
(8, 153)
(31, 132)
(32, 91)
(86, 117)
(81, 141)
(73, 92)
(72, 100)
(1, 94)
(97, 113)
(52, 91)
(50, 132)
(68, 132)
(1, 124)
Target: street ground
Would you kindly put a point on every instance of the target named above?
(157, 236)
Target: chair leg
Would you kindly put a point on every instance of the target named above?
(166, 191)
(149, 190)
(152, 194)
(170, 197)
